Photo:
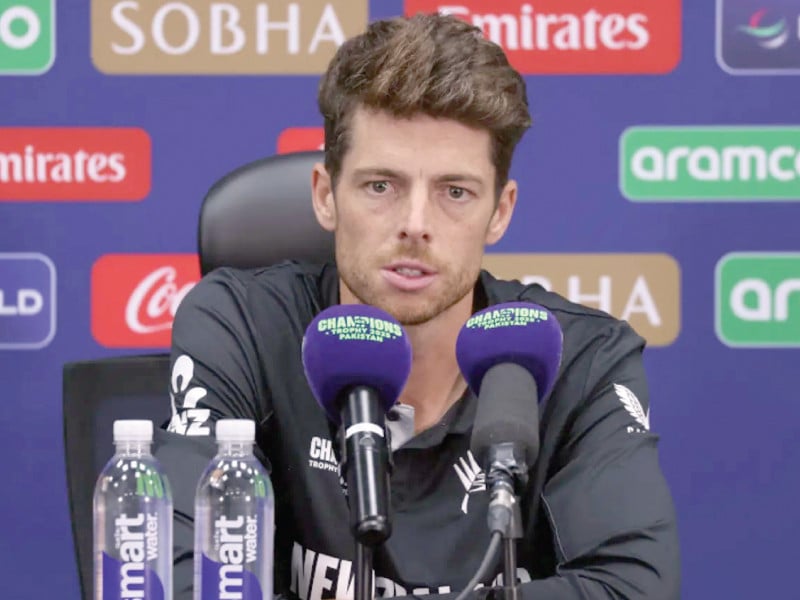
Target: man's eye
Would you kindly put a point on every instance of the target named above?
(379, 187)
(456, 193)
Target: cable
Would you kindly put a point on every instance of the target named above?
(491, 551)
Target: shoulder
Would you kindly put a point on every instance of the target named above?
(601, 370)
(276, 301)
(288, 284)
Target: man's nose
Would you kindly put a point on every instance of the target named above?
(416, 220)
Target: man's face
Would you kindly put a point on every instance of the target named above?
(412, 210)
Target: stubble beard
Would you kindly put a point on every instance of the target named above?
(410, 312)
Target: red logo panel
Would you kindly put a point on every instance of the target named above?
(574, 36)
(135, 296)
(300, 139)
(74, 164)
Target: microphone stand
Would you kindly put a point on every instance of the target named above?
(505, 475)
(364, 550)
(363, 572)
(366, 465)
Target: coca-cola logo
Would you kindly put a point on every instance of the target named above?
(135, 297)
(154, 302)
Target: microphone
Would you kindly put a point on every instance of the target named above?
(357, 359)
(509, 355)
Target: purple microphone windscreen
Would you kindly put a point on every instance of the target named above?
(526, 340)
(522, 333)
(350, 345)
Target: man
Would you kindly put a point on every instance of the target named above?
(421, 119)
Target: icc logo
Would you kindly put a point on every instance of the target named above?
(766, 30)
(758, 37)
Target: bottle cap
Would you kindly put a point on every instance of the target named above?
(132, 430)
(236, 430)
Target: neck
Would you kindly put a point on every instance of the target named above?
(435, 382)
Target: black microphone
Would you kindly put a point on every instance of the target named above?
(509, 354)
(357, 359)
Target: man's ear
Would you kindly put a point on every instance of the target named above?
(322, 197)
(502, 213)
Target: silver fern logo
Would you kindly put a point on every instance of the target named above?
(634, 407)
(471, 476)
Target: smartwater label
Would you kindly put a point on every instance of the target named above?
(229, 581)
(129, 580)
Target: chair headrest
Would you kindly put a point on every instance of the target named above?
(261, 214)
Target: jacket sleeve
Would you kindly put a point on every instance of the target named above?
(608, 504)
(215, 374)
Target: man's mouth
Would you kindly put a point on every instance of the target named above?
(411, 268)
(409, 275)
(409, 272)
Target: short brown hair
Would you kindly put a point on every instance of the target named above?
(431, 64)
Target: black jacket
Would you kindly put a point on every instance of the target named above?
(598, 517)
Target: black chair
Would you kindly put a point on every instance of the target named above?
(258, 215)
(261, 214)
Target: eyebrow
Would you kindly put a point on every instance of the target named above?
(379, 172)
(453, 177)
(391, 174)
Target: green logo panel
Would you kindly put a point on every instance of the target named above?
(27, 36)
(758, 300)
(710, 163)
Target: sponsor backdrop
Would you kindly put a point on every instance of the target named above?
(659, 183)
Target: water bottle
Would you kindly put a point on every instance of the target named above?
(234, 520)
(132, 520)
